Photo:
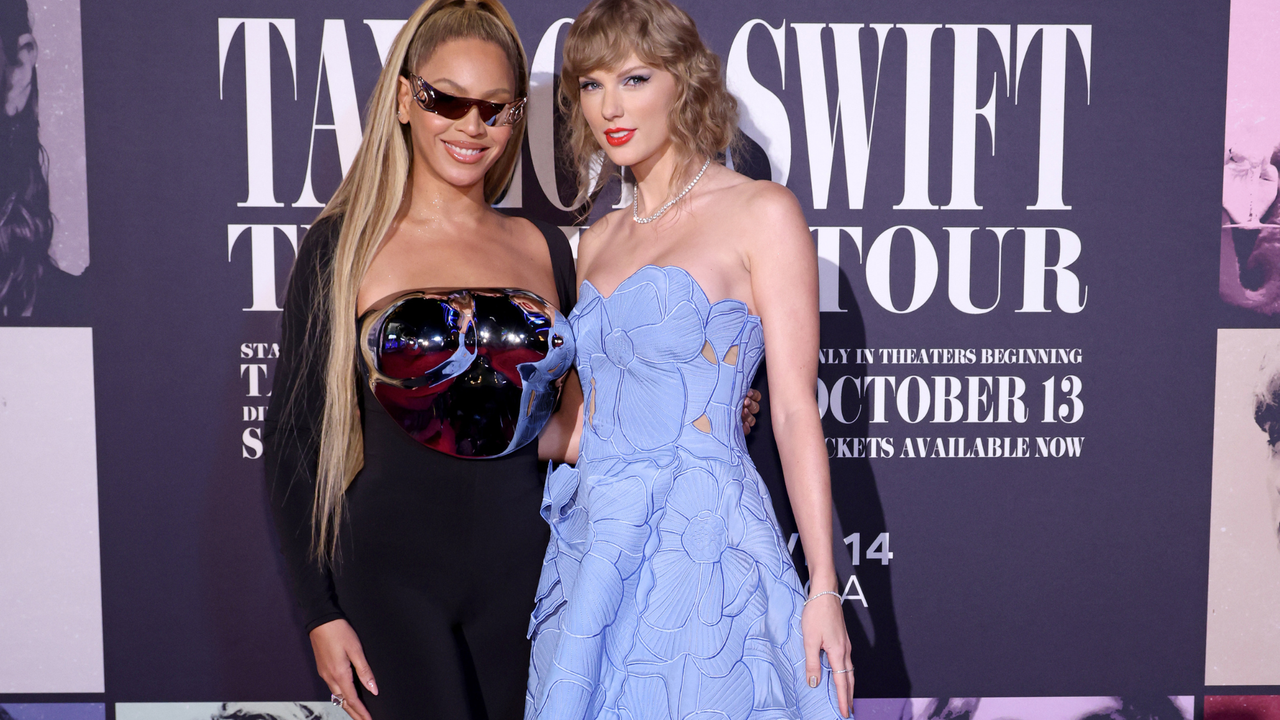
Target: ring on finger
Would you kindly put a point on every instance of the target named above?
(337, 700)
(839, 672)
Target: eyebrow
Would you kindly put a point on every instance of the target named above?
(456, 89)
(618, 73)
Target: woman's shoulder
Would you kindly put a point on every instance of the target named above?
(321, 238)
(764, 217)
(760, 200)
(316, 251)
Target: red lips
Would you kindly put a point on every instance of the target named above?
(615, 139)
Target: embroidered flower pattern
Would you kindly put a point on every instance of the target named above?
(667, 591)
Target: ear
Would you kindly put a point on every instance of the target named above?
(19, 76)
(404, 100)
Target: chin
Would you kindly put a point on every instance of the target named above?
(625, 155)
(459, 175)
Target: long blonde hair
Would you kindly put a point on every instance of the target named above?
(367, 202)
(704, 117)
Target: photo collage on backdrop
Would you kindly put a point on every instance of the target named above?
(51, 626)
(1243, 636)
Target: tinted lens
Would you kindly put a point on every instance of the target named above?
(456, 108)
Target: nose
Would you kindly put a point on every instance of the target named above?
(611, 104)
(471, 124)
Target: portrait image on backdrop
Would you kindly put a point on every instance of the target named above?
(1242, 707)
(44, 240)
(1250, 256)
(1243, 642)
(1054, 708)
(230, 711)
(53, 711)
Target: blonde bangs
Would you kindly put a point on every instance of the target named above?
(704, 117)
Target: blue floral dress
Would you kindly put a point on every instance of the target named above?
(667, 591)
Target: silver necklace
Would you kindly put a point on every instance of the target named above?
(635, 205)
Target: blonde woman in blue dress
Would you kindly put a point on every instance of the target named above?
(667, 590)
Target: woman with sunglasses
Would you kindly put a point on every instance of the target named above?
(408, 553)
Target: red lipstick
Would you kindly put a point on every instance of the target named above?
(619, 136)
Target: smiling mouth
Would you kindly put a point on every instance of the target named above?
(618, 136)
(464, 155)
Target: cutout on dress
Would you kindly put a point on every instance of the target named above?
(591, 404)
(703, 423)
(731, 357)
(709, 352)
(529, 410)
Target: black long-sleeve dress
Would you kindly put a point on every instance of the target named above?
(439, 557)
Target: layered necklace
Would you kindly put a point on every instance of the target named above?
(635, 205)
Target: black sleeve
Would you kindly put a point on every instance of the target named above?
(561, 265)
(291, 432)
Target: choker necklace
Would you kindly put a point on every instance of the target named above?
(635, 205)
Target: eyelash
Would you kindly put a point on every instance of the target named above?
(592, 85)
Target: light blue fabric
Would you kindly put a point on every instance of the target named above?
(667, 590)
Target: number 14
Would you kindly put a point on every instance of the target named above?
(879, 549)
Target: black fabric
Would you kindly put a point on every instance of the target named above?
(439, 557)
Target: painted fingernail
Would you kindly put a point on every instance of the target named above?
(813, 681)
(373, 686)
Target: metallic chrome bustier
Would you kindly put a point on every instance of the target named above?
(471, 373)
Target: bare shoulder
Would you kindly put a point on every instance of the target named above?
(768, 217)
(767, 201)
(515, 225)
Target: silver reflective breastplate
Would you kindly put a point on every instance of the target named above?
(471, 373)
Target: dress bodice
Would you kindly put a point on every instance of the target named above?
(662, 366)
(472, 373)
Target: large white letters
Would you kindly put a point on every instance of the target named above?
(879, 264)
(262, 256)
(1071, 296)
(851, 108)
(915, 156)
(335, 64)
(1053, 100)
(763, 117)
(965, 110)
(257, 89)
(960, 268)
(829, 264)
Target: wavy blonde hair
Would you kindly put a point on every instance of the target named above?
(704, 117)
(367, 202)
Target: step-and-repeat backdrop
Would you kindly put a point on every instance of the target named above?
(1050, 397)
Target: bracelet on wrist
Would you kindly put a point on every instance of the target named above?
(815, 596)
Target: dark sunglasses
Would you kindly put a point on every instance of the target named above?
(455, 108)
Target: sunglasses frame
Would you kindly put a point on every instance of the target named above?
(429, 99)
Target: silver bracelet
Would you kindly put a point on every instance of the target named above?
(824, 592)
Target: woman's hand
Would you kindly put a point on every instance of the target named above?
(750, 409)
(337, 649)
(822, 626)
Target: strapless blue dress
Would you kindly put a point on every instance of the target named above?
(667, 591)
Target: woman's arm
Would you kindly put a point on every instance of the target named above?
(559, 439)
(784, 283)
(291, 439)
